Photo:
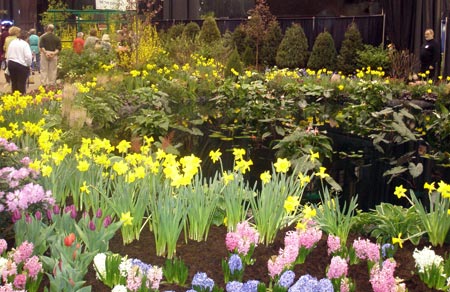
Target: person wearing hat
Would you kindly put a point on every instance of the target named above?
(19, 57)
(106, 43)
(13, 33)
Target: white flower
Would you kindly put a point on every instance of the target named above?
(154, 275)
(125, 266)
(426, 258)
(3, 262)
(100, 265)
(119, 288)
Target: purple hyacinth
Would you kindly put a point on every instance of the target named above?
(202, 281)
(286, 279)
(234, 286)
(250, 286)
(235, 263)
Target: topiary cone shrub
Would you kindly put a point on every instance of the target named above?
(293, 50)
(272, 41)
(347, 60)
(323, 53)
(209, 32)
(191, 31)
(234, 62)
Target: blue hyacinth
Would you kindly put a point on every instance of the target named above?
(234, 286)
(202, 281)
(286, 279)
(250, 286)
(235, 263)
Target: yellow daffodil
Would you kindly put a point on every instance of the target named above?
(322, 173)
(120, 167)
(314, 155)
(300, 225)
(126, 219)
(46, 170)
(123, 146)
(227, 177)
(400, 191)
(429, 187)
(282, 165)
(238, 153)
(83, 166)
(398, 240)
(309, 212)
(243, 165)
(304, 179)
(444, 189)
(215, 155)
(291, 203)
(85, 188)
(265, 177)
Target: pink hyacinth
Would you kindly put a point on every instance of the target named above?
(383, 279)
(154, 276)
(275, 267)
(33, 266)
(23, 252)
(242, 239)
(133, 282)
(333, 243)
(366, 250)
(309, 237)
(20, 281)
(232, 241)
(3, 245)
(338, 268)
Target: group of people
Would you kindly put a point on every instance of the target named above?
(92, 42)
(24, 52)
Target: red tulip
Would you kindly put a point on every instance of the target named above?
(69, 239)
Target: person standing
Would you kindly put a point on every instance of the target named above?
(50, 46)
(78, 43)
(19, 58)
(33, 40)
(91, 40)
(429, 54)
(13, 33)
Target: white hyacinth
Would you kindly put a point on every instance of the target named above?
(100, 265)
(119, 288)
(426, 258)
(125, 266)
(3, 263)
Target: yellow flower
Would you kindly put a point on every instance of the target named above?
(83, 165)
(300, 225)
(238, 153)
(291, 203)
(282, 165)
(225, 221)
(85, 188)
(265, 177)
(429, 187)
(322, 173)
(120, 167)
(215, 155)
(227, 177)
(341, 87)
(314, 155)
(126, 219)
(398, 240)
(304, 179)
(309, 212)
(123, 146)
(444, 189)
(46, 170)
(243, 165)
(400, 191)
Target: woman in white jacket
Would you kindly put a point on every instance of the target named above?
(19, 58)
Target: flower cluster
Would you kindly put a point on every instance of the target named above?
(135, 275)
(297, 245)
(243, 241)
(249, 286)
(382, 278)
(20, 269)
(432, 268)
(201, 282)
(333, 243)
(367, 250)
(309, 283)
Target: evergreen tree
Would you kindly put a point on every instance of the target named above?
(234, 62)
(272, 41)
(323, 53)
(239, 36)
(175, 31)
(347, 61)
(209, 32)
(191, 31)
(293, 50)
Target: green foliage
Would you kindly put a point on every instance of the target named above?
(239, 37)
(48, 18)
(191, 31)
(175, 271)
(209, 32)
(175, 31)
(72, 66)
(293, 50)
(272, 40)
(234, 62)
(373, 57)
(347, 61)
(387, 221)
(323, 53)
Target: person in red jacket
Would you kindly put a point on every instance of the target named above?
(78, 43)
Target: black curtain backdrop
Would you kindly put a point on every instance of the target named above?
(406, 21)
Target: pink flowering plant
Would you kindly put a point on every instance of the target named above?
(337, 272)
(243, 241)
(20, 268)
(382, 277)
(367, 250)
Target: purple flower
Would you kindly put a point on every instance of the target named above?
(38, 215)
(99, 213)
(387, 250)
(56, 209)
(235, 263)
(250, 286)
(3, 245)
(306, 283)
(202, 281)
(16, 216)
(324, 285)
(92, 225)
(286, 279)
(107, 221)
(234, 286)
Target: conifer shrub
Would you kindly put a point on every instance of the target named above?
(239, 38)
(323, 54)
(293, 49)
(175, 31)
(347, 60)
(271, 42)
(191, 31)
(209, 32)
(234, 62)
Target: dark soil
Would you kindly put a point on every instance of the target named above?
(206, 257)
